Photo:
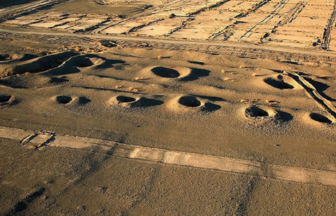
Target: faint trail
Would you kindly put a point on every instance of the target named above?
(163, 156)
(23, 204)
(243, 205)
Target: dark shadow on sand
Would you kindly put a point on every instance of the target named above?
(195, 74)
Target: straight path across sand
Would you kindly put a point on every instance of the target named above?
(42, 140)
(178, 42)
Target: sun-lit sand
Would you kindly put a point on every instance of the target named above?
(168, 108)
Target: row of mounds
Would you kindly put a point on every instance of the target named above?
(34, 65)
(62, 63)
(282, 82)
(260, 115)
(257, 115)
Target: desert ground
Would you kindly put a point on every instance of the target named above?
(184, 107)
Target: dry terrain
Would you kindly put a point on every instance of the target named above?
(289, 23)
(168, 108)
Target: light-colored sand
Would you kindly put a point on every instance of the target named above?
(113, 130)
(68, 181)
(289, 23)
(191, 100)
(41, 140)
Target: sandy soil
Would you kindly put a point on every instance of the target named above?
(185, 92)
(92, 126)
(58, 181)
(87, 7)
(270, 113)
(286, 23)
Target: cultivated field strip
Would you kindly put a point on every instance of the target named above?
(208, 7)
(183, 23)
(289, 23)
(292, 13)
(275, 12)
(283, 173)
(31, 8)
(144, 25)
(328, 28)
(240, 50)
(254, 8)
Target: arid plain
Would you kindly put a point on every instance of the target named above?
(185, 107)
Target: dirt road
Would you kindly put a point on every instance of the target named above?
(169, 41)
